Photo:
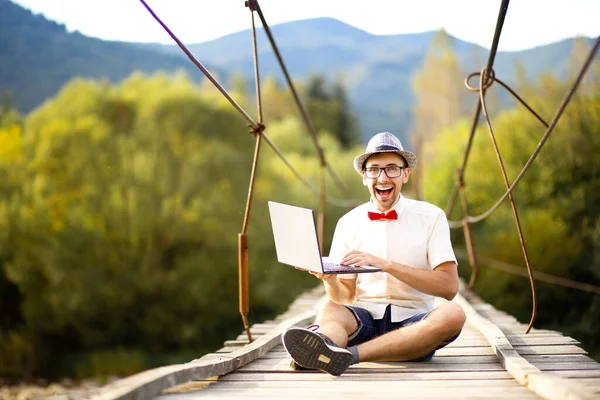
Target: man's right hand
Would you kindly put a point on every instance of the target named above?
(324, 277)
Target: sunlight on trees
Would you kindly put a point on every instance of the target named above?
(120, 209)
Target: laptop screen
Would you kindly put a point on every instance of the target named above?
(295, 236)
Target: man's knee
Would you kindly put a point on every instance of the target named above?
(455, 317)
(450, 318)
(333, 309)
(333, 312)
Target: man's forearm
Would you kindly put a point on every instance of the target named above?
(441, 282)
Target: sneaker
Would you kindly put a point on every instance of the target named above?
(313, 350)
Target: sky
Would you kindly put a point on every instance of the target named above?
(528, 23)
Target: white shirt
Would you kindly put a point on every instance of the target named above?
(420, 238)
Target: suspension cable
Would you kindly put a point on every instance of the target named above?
(552, 125)
(305, 116)
(512, 203)
(537, 275)
(489, 66)
(255, 127)
(331, 200)
(201, 67)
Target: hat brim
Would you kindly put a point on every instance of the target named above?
(410, 158)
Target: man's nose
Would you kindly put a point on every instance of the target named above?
(383, 176)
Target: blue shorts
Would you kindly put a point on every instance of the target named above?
(369, 328)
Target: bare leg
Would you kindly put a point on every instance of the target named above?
(337, 322)
(415, 340)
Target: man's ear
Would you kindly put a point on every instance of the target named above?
(364, 178)
(406, 175)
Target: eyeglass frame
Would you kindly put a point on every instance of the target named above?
(402, 168)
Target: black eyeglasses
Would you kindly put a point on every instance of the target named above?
(392, 171)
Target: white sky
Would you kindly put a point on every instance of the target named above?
(528, 22)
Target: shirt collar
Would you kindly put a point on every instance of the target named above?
(399, 206)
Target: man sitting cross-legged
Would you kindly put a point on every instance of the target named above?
(387, 315)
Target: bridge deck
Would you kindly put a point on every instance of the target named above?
(492, 358)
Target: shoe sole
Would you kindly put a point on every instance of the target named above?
(309, 350)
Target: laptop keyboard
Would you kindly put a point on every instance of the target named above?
(328, 266)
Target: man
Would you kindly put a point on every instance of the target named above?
(387, 315)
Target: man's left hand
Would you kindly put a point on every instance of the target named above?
(360, 258)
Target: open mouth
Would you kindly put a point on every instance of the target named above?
(383, 192)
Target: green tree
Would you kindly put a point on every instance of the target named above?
(120, 213)
(329, 110)
(557, 201)
(438, 98)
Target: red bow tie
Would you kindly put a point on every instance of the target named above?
(375, 216)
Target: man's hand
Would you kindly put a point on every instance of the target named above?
(360, 258)
(324, 277)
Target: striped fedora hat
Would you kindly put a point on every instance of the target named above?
(384, 142)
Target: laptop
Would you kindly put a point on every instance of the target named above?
(297, 244)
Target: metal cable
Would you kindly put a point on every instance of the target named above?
(243, 265)
(255, 127)
(537, 275)
(512, 202)
(331, 200)
(565, 102)
(509, 89)
(305, 116)
(201, 67)
(489, 66)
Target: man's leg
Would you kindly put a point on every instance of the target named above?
(416, 340)
(336, 322)
(323, 349)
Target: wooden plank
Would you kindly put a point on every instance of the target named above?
(547, 367)
(589, 373)
(546, 385)
(336, 383)
(149, 383)
(337, 391)
(477, 351)
(489, 359)
(592, 383)
(560, 358)
(358, 376)
(380, 368)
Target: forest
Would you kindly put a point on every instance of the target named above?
(120, 206)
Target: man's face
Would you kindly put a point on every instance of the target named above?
(385, 191)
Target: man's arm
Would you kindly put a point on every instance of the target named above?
(442, 281)
(340, 291)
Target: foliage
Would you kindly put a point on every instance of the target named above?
(439, 98)
(329, 110)
(120, 210)
(558, 203)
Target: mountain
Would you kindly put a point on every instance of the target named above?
(377, 69)
(38, 56)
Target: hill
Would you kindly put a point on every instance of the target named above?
(377, 69)
(38, 56)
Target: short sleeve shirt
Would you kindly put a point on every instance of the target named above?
(419, 238)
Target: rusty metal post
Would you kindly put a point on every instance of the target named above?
(243, 281)
(467, 228)
(322, 204)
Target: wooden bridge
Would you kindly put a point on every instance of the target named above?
(492, 358)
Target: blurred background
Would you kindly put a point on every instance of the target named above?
(124, 172)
